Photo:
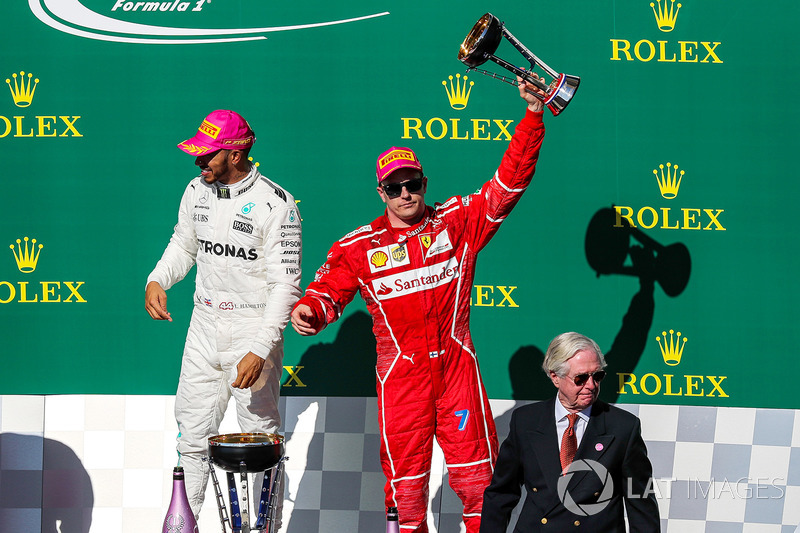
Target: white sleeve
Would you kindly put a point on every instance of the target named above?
(180, 254)
(283, 251)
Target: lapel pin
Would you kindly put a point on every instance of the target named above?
(598, 447)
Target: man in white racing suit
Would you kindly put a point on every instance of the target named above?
(243, 232)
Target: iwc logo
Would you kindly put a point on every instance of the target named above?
(671, 344)
(23, 90)
(458, 89)
(665, 13)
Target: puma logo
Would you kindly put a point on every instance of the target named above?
(410, 358)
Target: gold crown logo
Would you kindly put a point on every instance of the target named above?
(666, 15)
(671, 350)
(670, 182)
(458, 94)
(21, 92)
(28, 256)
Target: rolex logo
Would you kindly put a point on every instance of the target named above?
(458, 88)
(672, 349)
(693, 50)
(26, 256)
(458, 94)
(22, 92)
(666, 14)
(669, 182)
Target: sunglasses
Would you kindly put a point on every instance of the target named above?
(581, 379)
(393, 190)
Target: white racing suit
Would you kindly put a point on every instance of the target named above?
(246, 242)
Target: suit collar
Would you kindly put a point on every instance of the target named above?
(544, 440)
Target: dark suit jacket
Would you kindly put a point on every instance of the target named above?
(530, 455)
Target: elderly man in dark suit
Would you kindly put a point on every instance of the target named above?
(583, 462)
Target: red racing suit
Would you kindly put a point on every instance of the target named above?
(417, 283)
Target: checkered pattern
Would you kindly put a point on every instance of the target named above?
(103, 464)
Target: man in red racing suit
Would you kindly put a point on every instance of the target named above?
(414, 267)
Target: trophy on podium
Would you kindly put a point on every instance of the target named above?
(245, 453)
(480, 45)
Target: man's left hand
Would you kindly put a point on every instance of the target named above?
(248, 370)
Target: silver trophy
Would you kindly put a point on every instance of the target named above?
(480, 46)
(245, 453)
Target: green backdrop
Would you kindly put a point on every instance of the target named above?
(92, 173)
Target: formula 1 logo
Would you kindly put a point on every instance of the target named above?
(72, 17)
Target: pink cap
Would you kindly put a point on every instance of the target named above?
(221, 130)
(394, 158)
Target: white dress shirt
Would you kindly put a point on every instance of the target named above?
(562, 422)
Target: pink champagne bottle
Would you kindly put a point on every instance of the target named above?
(180, 518)
(392, 520)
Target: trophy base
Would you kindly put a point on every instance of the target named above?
(563, 91)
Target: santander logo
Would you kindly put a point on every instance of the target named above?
(419, 279)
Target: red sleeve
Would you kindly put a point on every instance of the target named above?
(334, 286)
(487, 208)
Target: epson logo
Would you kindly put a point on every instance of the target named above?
(244, 227)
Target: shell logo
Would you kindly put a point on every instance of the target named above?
(379, 259)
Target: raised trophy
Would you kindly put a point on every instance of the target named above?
(245, 453)
(480, 46)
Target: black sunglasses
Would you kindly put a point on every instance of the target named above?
(581, 379)
(393, 190)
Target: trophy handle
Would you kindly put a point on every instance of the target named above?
(530, 56)
(522, 73)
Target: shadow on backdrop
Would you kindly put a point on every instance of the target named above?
(42, 480)
(345, 367)
(609, 251)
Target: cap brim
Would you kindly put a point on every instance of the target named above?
(196, 147)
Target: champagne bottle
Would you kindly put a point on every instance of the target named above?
(180, 518)
(392, 523)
